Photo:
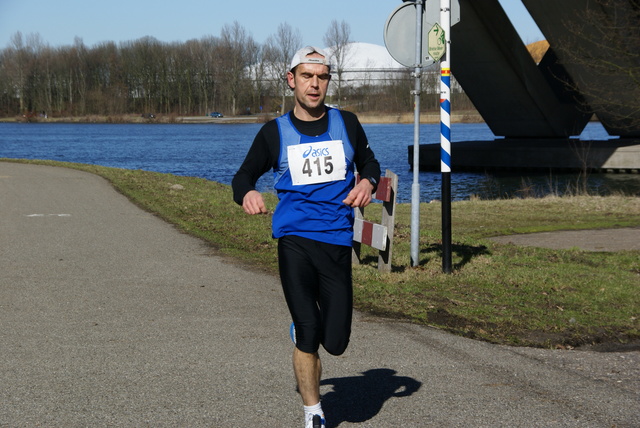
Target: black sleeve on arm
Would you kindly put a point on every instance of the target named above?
(365, 159)
(261, 157)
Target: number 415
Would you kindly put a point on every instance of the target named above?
(307, 168)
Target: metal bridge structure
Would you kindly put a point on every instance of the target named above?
(540, 108)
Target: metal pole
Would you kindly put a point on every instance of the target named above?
(445, 134)
(415, 188)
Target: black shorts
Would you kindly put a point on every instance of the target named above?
(316, 280)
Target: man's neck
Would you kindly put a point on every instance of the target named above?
(309, 115)
(312, 128)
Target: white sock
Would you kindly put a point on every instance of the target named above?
(313, 410)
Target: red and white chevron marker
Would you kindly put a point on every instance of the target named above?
(371, 234)
(378, 236)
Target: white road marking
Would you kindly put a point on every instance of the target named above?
(48, 215)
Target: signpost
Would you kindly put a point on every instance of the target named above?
(403, 27)
(404, 23)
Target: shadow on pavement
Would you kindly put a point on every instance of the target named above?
(359, 398)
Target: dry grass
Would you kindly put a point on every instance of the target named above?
(538, 49)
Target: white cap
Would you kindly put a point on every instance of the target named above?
(301, 57)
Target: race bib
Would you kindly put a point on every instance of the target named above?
(313, 163)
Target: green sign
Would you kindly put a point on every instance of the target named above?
(437, 42)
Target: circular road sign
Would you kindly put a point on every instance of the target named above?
(400, 33)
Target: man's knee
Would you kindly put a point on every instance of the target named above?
(336, 348)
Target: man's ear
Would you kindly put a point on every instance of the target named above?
(291, 80)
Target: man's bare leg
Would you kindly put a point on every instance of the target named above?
(308, 370)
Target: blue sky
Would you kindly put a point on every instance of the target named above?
(59, 21)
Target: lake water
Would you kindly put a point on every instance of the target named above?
(215, 151)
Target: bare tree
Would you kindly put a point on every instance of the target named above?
(239, 49)
(602, 54)
(107, 84)
(279, 48)
(209, 74)
(18, 58)
(79, 73)
(337, 38)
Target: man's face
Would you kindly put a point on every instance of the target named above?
(310, 84)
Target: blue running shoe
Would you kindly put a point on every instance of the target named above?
(292, 333)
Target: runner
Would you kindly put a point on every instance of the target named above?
(313, 151)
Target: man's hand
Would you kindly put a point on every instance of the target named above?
(359, 196)
(252, 203)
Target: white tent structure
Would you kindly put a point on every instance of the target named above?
(366, 64)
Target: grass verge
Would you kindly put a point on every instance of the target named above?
(498, 293)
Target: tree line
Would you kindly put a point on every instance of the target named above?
(231, 73)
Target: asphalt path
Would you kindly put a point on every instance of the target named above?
(586, 240)
(110, 317)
